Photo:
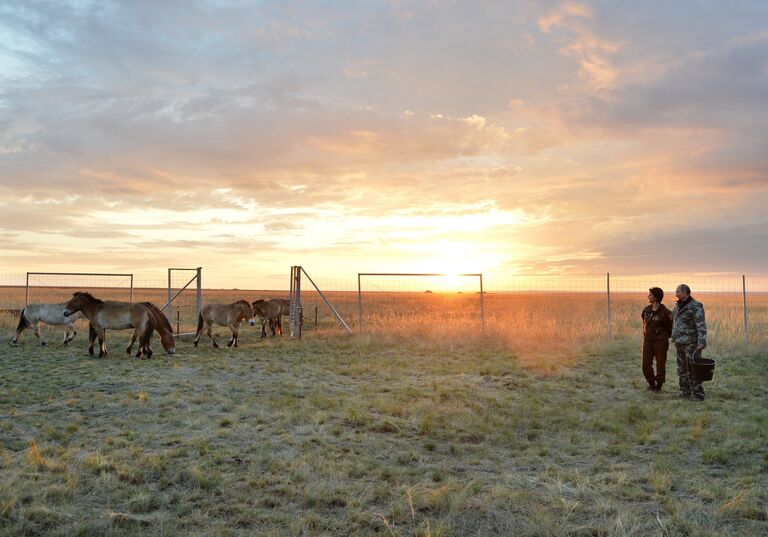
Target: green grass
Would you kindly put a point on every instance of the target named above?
(359, 437)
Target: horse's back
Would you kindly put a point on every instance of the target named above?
(49, 313)
(121, 315)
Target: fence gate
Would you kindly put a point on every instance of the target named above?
(184, 315)
(296, 312)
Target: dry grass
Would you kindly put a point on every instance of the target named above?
(371, 436)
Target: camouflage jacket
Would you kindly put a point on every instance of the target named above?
(689, 325)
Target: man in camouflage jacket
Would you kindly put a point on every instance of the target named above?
(689, 334)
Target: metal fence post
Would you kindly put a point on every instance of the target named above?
(130, 293)
(297, 302)
(359, 305)
(26, 294)
(482, 305)
(199, 292)
(169, 313)
(608, 288)
(744, 293)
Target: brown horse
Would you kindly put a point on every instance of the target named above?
(272, 311)
(269, 311)
(225, 315)
(103, 315)
(162, 327)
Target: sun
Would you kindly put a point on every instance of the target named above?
(451, 282)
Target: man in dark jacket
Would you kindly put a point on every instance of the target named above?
(689, 334)
(657, 328)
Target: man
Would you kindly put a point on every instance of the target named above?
(657, 327)
(689, 334)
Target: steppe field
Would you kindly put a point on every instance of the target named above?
(425, 424)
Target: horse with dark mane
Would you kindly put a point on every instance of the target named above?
(225, 315)
(33, 314)
(270, 312)
(103, 315)
(162, 327)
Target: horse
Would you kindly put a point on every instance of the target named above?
(225, 315)
(115, 315)
(271, 311)
(162, 327)
(33, 314)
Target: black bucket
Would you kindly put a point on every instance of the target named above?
(702, 368)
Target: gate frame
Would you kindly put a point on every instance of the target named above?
(26, 287)
(295, 309)
(199, 306)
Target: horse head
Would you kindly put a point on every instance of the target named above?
(79, 301)
(247, 311)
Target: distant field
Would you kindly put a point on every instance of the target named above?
(360, 436)
(518, 319)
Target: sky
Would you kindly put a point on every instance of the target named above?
(514, 138)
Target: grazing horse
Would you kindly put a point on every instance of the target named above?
(103, 315)
(162, 327)
(270, 311)
(225, 315)
(33, 314)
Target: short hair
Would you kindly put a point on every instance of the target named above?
(684, 288)
(658, 293)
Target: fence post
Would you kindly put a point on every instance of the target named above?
(130, 294)
(199, 293)
(359, 305)
(26, 293)
(744, 292)
(482, 305)
(291, 299)
(608, 287)
(169, 313)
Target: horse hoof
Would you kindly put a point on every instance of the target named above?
(215, 346)
(194, 344)
(43, 343)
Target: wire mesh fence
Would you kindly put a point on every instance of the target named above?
(544, 309)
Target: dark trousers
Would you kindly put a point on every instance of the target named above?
(658, 350)
(689, 384)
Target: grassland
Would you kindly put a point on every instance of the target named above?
(382, 434)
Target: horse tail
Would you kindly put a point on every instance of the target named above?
(23, 321)
(200, 322)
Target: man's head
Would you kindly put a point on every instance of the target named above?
(657, 293)
(683, 291)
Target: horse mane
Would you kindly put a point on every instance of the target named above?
(245, 302)
(160, 318)
(87, 296)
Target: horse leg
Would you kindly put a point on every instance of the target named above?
(91, 338)
(263, 328)
(209, 331)
(70, 333)
(280, 325)
(233, 339)
(103, 343)
(133, 340)
(23, 324)
(36, 328)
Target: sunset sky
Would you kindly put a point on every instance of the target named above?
(361, 136)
